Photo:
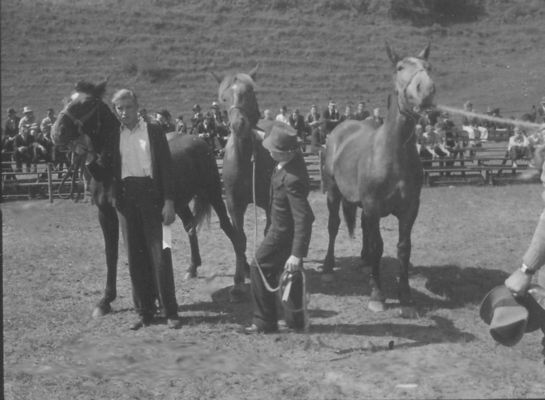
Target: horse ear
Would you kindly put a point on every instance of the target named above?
(392, 55)
(100, 89)
(424, 54)
(253, 72)
(216, 77)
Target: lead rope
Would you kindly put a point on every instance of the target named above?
(286, 279)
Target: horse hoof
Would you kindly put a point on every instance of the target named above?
(327, 277)
(237, 295)
(101, 311)
(376, 306)
(408, 312)
(190, 275)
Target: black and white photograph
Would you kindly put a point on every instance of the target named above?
(272, 199)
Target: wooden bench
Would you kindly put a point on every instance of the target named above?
(12, 181)
(453, 175)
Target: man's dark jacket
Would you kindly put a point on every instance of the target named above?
(291, 215)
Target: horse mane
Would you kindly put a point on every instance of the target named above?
(91, 89)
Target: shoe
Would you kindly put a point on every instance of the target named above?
(142, 322)
(254, 330)
(174, 323)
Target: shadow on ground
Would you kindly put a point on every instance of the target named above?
(447, 286)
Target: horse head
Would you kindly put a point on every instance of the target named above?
(82, 124)
(414, 87)
(236, 94)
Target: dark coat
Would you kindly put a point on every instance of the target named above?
(291, 215)
(161, 162)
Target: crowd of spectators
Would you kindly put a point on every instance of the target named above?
(26, 140)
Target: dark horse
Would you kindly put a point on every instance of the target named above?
(243, 149)
(88, 123)
(379, 170)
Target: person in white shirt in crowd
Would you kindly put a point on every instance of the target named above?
(283, 115)
(518, 146)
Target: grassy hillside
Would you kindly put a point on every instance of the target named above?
(309, 50)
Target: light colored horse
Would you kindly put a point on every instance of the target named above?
(379, 170)
(236, 94)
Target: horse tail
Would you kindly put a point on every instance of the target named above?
(202, 210)
(202, 202)
(349, 212)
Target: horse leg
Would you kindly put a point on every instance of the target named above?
(236, 211)
(406, 222)
(371, 228)
(187, 218)
(110, 229)
(333, 206)
(225, 224)
(365, 261)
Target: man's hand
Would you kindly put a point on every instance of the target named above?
(518, 282)
(168, 212)
(293, 263)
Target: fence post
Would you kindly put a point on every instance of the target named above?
(49, 184)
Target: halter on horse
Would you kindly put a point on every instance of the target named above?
(379, 170)
(236, 94)
(90, 124)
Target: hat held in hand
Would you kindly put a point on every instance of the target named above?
(282, 138)
(509, 317)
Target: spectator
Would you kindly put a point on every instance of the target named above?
(376, 118)
(440, 148)
(348, 114)
(165, 121)
(48, 121)
(196, 120)
(361, 112)
(180, 128)
(23, 148)
(221, 125)
(536, 139)
(283, 115)
(268, 115)
(42, 148)
(315, 124)
(454, 142)
(28, 118)
(143, 114)
(331, 118)
(208, 133)
(518, 146)
(297, 122)
(469, 120)
(11, 129)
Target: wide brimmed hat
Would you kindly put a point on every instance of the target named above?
(282, 138)
(509, 317)
(27, 109)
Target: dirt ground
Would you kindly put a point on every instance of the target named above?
(465, 242)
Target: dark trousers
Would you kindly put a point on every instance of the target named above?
(150, 266)
(272, 254)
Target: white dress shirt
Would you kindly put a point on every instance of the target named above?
(135, 152)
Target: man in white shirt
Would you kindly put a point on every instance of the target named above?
(145, 201)
(518, 146)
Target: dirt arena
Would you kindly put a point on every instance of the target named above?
(465, 241)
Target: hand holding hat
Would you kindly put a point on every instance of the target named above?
(509, 317)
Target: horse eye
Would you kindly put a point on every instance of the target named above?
(399, 67)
